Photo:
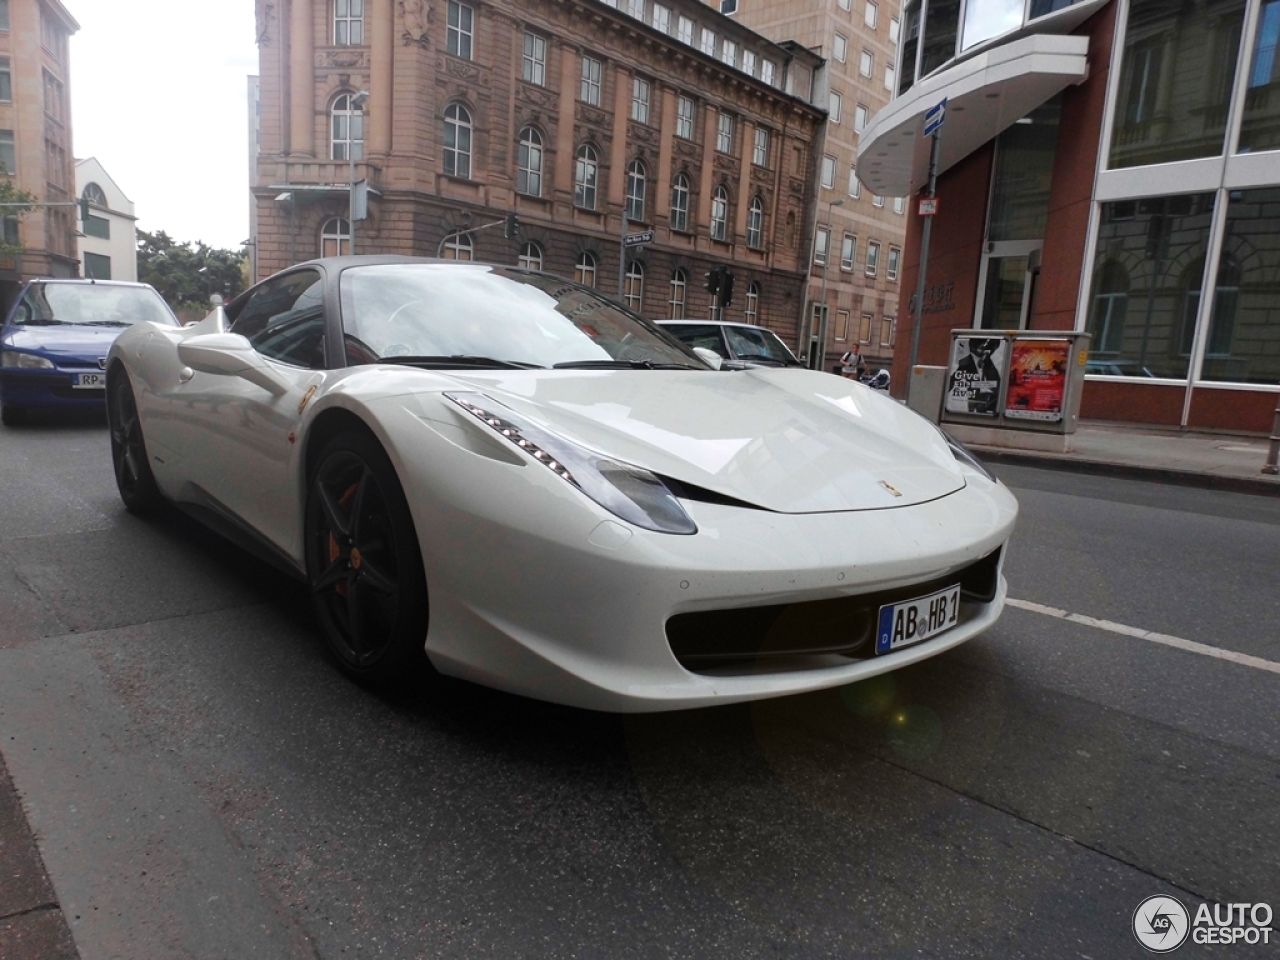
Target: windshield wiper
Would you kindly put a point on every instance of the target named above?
(623, 365)
(105, 323)
(461, 360)
(45, 322)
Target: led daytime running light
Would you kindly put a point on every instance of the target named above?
(512, 433)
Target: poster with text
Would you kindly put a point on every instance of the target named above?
(973, 380)
(1037, 380)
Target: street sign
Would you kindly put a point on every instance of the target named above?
(928, 206)
(637, 239)
(935, 118)
(360, 200)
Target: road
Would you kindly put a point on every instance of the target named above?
(202, 783)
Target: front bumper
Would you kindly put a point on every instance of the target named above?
(31, 389)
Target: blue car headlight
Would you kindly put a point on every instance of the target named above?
(24, 361)
(632, 493)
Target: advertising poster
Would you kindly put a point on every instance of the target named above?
(973, 379)
(1037, 380)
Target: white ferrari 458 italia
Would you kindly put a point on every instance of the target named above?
(520, 482)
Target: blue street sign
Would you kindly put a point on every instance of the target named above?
(935, 118)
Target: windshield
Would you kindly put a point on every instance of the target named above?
(756, 343)
(91, 304)
(416, 312)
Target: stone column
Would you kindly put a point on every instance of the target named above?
(381, 34)
(662, 180)
(706, 180)
(742, 196)
(302, 133)
(618, 154)
(570, 65)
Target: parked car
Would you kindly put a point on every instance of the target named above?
(736, 343)
(524, 483)
(54, 342)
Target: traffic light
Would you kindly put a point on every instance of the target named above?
(512, 229)
(713, 280)
(726, 287)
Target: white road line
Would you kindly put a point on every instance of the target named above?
(1190, 646)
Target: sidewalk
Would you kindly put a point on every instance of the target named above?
(1212, 460)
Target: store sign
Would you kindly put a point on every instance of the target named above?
(1037, 380)
(973, 378)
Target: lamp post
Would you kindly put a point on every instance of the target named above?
(357, 101)
(822, 296)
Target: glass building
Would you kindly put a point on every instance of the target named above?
(1105, 165)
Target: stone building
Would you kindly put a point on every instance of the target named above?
(35, 139)
(569, 114)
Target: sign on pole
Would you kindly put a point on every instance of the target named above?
(638, 239)
(928, 206)
(935, 117)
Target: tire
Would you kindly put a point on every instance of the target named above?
(364, 564)
(11, 416)
(134, 479)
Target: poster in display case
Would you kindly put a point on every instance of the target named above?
(1037, 380)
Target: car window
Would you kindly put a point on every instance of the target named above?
(756, 343)
(91, 304)
(700, 335)
(284, 319)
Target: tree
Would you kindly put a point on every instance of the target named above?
(187, 274)
(9, 245)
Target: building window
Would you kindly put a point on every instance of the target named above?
(760, 155)
(535, 59)
(97, 266)
(865, 63)
(877, 200)
(829, 172)
(821, 240)
(348, 130)
(755, 223)
(873, 258)
(99, 227)
(842, 324)
(729, 53)
(886, 331)
(680, 202)
(855, 186)
(890, 78)
(859, 118)
(4, 14)
(848, 252)
(871, 14)
(335, 237)
(661, 18)
(95, 195)
(749, 62)
(684, 118)
(708, 42)
(751, 309)
(459, 247)
(6, 81)
(1259, 130)
(458, 33)
(636, 9)
(8, 153)
(633, 289)
(348, 23)
(846, 4)
(684, 30)
(635, 190)
(584, 271)
(640, 100)
(864, 328)
(720, 213)
(835, 107)
(679, 284)
(840, 49)
(728, 7)
(895, 26)
(590, 91)
(768, 72)
(457, 141)
(891, 268)
(529, 163)
(724, 132)
(530, 256)
(899, 205)
(586, 173)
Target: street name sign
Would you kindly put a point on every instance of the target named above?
(638, 239)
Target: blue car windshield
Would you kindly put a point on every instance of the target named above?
(90, 304)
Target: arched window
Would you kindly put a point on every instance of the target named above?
(348, 129)
(1110, 302)
(720, 213)
(458, 247)
(584, 177)
(529, 165)
(635, 190)
(95, 195)
(1222, 317)
(680, 202)
(348, 23)
(335, 237)
(633, 290)
(755, 223)
(679, 284)
(584, 271)
(530, 256)
(457, 141)
(751, 310)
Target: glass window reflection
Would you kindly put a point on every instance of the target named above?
(1260, 129)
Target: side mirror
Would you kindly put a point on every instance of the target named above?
(713, 358)
(231, 355)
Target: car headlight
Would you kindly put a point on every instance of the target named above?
(632, 493)
(965, 456)
(24, 361)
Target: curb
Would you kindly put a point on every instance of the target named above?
(1128, 471)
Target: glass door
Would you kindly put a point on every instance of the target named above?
(1006, 284)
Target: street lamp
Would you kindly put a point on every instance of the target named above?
(357, 102)
(822, 297)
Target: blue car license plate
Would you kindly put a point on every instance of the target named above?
(914, 621)
(89, 381)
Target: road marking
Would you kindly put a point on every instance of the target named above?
(1190, 646)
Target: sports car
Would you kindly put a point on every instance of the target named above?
(510, 478)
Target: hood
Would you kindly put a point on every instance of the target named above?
(63, 343)
(791, 441)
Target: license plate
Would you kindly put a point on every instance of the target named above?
(90, 381)
(914, 621)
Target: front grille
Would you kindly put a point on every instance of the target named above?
(709, 640)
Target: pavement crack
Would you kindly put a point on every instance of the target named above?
(30, 910)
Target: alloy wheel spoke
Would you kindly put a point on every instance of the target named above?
(355, 618)
(332, 513)
(335, 572)
(377, 579)
(357, 505)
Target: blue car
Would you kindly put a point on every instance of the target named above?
(54, 343)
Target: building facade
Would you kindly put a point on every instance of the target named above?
(857, 244)
(108, 245)
(570, 114)
(1111, 166)
(35, 139)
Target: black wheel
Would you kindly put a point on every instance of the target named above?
(364, 564)
(134, 479)
(11, 416)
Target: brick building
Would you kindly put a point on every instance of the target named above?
(568, 113)
(35, 139)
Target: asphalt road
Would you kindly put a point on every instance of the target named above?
(203, 784)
